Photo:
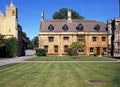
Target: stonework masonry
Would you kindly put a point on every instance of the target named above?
(58, 34)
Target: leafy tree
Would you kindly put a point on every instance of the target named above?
(12, 47)
(35, 42)
(2, 46)
(2, 40)
(62, 14)
(74, 48)
(27, 40)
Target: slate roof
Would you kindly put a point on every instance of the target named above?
(88, 25)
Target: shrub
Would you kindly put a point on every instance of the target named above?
(41, 52)
(12, 47)
(72, 52)
(74, 48)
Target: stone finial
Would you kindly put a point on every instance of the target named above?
(42, 15)
(11, 3)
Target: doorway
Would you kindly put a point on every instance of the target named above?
(98, 50)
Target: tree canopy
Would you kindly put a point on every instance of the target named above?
(74, 48)
(62, 14)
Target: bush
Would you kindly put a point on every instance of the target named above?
(41, 52)
(72, 52)
(12, 47)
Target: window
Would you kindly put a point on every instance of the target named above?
(13, 13)
(65, 48)
(103, 38)
(65, 27)
(56, 48)
(91, 49)
(51, 27)
(79, 27)
(66, 39)
(46, 48)
(104, 49)
(97, 27)
(80, 38)
(51, 39)
(82, 50)
(94, 39)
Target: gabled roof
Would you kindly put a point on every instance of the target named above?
(88, 25)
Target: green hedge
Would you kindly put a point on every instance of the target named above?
(41, 52)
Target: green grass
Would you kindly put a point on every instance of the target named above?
(2, 58)
(71, 58)
(60, 75)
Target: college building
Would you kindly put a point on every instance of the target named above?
(114, 37)
(56, 36)
(9, 26)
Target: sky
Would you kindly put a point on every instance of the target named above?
(29, 11)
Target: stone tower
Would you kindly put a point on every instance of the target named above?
(114, 37)
(11, 21)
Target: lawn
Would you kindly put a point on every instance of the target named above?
(60, 75)
(71, 58)
(2, 58)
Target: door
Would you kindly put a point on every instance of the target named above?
(98, 51)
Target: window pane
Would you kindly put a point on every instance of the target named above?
(46, 48)
(94, 39)
(91, 49)
(56, 48)
(65, 48)
(51, 39)
(103, 38)
(66, 38)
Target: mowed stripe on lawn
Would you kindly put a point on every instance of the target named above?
(72, 58)
(59, 75)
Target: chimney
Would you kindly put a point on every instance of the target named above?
(69, 15)
(42, 16)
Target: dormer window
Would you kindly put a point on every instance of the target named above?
(97, 27)
(65, 27)
(79, 27)
(51, 27)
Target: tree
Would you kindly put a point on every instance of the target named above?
(62, 14)
(2, 40)
(74, 48)
(35, 42)
(12, 47)
(2, 46)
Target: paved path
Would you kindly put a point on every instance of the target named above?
(14, 60)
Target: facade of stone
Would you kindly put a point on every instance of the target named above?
(9, 22)
(9, 26)
(114, 37)
(57, 35)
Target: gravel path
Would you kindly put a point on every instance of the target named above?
(14, 60)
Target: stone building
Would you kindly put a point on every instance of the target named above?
(9, 26)
(58, 34)
(114, 37)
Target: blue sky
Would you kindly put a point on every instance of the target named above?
(29, 11)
